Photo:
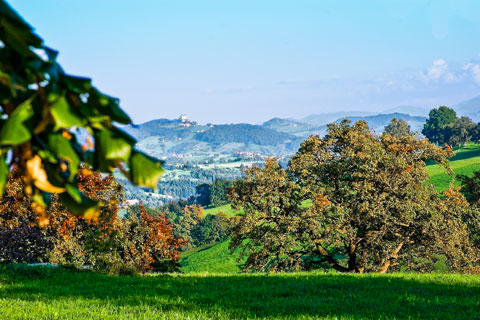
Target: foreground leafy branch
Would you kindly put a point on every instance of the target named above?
(52, 122)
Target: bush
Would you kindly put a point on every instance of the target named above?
(23, 243)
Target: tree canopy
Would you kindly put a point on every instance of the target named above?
(437, 120)
(371, 207)
(398, 127)
(52, 122)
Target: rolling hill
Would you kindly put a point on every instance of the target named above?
(324, 118)
(165, 137)
(469, 108)
(379, 121)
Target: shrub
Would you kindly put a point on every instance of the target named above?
(23, 243)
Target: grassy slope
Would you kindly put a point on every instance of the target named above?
(227, 209)
(217, 259)
(465, 161)
(85, 295)
(210, 259)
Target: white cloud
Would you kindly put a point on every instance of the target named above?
(474, 70)
(437, 70)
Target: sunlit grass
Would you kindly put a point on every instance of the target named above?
(72, 295)
(465, 162)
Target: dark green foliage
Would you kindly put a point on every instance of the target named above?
(219, 191)
(211, 229)
(462, 131)
(437, 120)
(243, 133)
(203, 194)
(443, 127)
(471, 187)
(190, 223)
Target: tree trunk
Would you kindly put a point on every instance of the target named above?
(388, 262)
(352, 257)
(330, 260)
(384, 267)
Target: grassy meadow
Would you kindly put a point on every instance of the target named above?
(210, 259)
(465, 162)
(227, 209)
(60, 294)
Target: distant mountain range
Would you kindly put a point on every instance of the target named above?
(164, 137)
(469, 108)
(324, 118)
(275, 137)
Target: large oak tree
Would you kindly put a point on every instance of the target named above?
(355, 201)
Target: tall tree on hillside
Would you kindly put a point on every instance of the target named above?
(398, 128)
(203, 194)
(51, 122)
(218, 196)
(370, 204)
(437, 120)
(460, 132)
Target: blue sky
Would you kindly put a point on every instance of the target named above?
(248, 61)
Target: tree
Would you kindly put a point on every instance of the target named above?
(371, 210)
(398, 128)
(437, 120)
(203, 193)
(51, 122)
(471, 187)
(460, 132)
(150, 244)
(268, 231)
(211, 229)
(219, 190)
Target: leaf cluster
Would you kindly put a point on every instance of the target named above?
(52, 122)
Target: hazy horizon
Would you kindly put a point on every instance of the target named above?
(231, 62)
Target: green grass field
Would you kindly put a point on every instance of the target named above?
(210, 259)
(59, 294)
(227, 209)
(465, 162)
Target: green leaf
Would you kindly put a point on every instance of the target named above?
(64, 115)
(77, 84)
(85, 207)
(4, 171)
(114, 144)
(6, 80)
(63, 149)
(74, 193)
(145, 170)
(109, 106)
(116, 113)
(14, 131)
(18, 34)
